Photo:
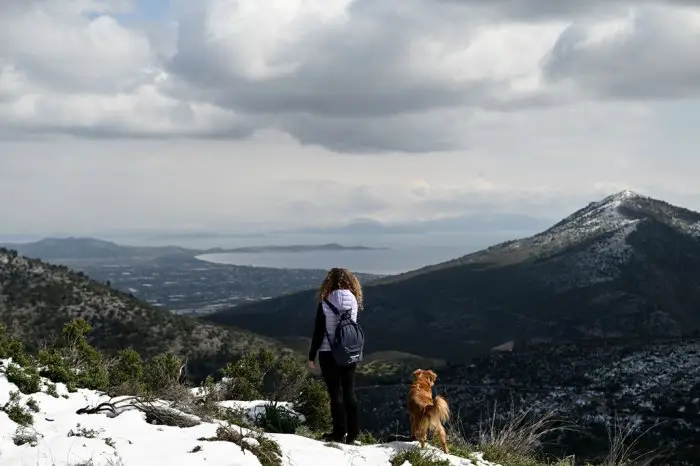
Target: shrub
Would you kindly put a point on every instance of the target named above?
(23, 436)
(366, 438)
(26, 379)
(13, 348)
(51, 390)
(283, 379)
(16, 412)
(313, 402)
(126, 374)
(418, 457)
(244, 378)
(265, 449)
(74, 361)
(235, 416)
(205, 404)
(277, 419)
(161, 374)
(32, 405)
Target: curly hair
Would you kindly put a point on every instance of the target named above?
(341, 279)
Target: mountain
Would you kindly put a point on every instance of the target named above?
(91, 248)
(464, 223)
(627, 265)
(37, 298)
(72, 248)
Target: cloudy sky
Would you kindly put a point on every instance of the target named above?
(222, 114)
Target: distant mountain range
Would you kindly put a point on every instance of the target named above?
(627, 265)
(483, 223)
(92, 248)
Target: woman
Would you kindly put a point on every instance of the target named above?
(342, 289)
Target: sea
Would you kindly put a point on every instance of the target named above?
(403, 253)
(376, 261)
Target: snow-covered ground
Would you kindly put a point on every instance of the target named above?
(127, 440)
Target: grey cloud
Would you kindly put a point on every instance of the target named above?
(656, 59)
(371, 134)
(352, 87)
(352, 90)
(553, 9)
(357, 69)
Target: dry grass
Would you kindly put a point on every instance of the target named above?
(623, 445)
(521, 435)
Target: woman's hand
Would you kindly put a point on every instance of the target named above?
(311, 365)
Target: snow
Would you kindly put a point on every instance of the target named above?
(127, 440)
(597, 218)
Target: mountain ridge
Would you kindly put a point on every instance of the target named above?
(38, 298)
(626, 265)
(71, 247)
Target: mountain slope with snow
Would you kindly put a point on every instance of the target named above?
(60, 437)
(627, 265)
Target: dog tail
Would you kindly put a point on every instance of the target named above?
(439, 411)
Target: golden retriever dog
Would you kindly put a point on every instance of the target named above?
(426, 413)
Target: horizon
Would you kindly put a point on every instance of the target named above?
(230, 115)
(383, 235)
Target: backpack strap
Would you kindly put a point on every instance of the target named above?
(341, 317)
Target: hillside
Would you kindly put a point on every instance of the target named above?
(91, 248)
(179, 279)
(37, 298)
(653, 387)
(627, 265)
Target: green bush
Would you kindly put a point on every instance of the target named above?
(277, 419)
(126, 375)
(161, 373)
(283, 379)
(13, 348)
(32, 405)
(51, 390)
(244, 378)
(26, 379)
(74, 361)
(313, 402)
(418, 457)
(16, 412)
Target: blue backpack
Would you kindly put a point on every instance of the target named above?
(349, 341)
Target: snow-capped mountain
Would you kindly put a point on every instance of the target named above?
(627, 265)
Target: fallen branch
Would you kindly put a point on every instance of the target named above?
(160, 415)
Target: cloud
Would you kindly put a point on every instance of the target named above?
(649, 54)
(545, 9)
(353, 76)
(232, 112)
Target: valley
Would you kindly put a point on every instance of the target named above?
(594, 319)
(172, 278)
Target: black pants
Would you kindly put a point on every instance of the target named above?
(340, 381)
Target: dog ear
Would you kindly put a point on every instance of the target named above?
(417, 372)
(432, 375)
